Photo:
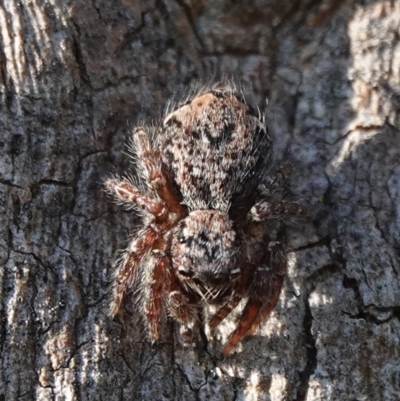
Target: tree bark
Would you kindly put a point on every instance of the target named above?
(76, 75)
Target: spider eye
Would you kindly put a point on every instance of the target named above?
(188, 240)
(185, 273)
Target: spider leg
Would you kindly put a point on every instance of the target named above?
(246, 321)
(127, 192)
(128, 265)
(179, 302)
(271, 278)
(239, 289)
(265, 210)
(271, 210)
(223, 312)
(232, 303)
(264, 294)
(153, 170)
(177, 306)
(154, 280)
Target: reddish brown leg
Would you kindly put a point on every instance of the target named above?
(154, 172)
(177, 306)
(246, 321)
(177, 301)
(130, 193)
(225, 310)
(269, 306)
(239, 290)
(153, 296)
(127, 271)
(265, 290)
(182, 305)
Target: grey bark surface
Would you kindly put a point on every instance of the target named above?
(76, 75)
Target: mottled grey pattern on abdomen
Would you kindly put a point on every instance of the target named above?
(213, 146)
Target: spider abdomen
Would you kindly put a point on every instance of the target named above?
(211, 145)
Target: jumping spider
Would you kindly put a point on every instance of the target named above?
(206, 196)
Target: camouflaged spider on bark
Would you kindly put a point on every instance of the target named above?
(206, 197)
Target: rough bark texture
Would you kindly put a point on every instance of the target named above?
(76, 74)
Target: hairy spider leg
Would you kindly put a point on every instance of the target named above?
(177, 306)
(226, 309)
(277, 263)
(153, 286)
(180, 304)
(154, 172)
(264, 295)
(128, 265)
(128, 192)
(271, 210)
(247, 319)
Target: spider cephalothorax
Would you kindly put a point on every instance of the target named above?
(207, 200)
(204, 253)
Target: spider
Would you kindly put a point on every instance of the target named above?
(206, 195)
